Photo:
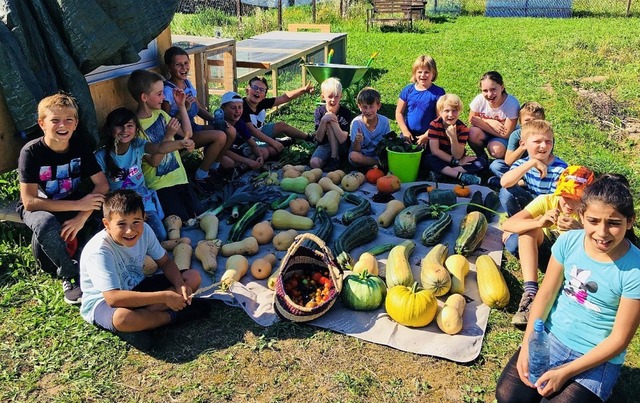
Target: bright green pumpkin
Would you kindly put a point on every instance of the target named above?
(411, 306)
(363, 292)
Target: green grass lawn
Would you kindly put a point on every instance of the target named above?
(583, 71)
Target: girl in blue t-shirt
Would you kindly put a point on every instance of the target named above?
(121, 160)
(416, 106)
(590, 302)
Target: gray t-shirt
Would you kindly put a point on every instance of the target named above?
(105, 266)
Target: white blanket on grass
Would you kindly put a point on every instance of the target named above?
(256, 299)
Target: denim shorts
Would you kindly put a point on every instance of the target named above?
(491, 139)
(103, 312)
(600, 380)
(268, 128)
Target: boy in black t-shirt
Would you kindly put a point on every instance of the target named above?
(50, 170)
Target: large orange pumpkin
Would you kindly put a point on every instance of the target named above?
(388, 183)
(374, 174)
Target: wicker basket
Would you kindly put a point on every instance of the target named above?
(302, 259)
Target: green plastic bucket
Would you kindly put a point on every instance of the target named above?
(404, 165)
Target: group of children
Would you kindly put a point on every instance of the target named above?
(561, 218)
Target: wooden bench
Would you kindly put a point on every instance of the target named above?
(309, 27)
(384, 11)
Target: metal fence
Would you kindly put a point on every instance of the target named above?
(574, 8)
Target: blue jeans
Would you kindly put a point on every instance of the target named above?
(499, 167)
(514, 199)
(154, 221)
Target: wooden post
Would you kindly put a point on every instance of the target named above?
(628, 7)
(313, 10)
(279, 15)
(239, 10)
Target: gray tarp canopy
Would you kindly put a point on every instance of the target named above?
(48, 45)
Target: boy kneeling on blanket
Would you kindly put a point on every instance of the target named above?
(116, 295)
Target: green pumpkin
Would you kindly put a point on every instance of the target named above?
(411, 306)
(363, 292)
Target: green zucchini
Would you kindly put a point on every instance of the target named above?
(472, 231)
(251, 217)
(491, 201)
(363, 230)
(404, 225)
(434, 232)
(324, 229)
(282, 202)
(362, 208)
(476, 198)
(381, 248)
(410, 196)
(442, 197)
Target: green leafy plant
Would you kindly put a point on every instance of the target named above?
(395, 143)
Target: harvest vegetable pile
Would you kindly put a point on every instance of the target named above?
(413, 290)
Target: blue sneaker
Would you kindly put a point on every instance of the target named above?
(469, 179)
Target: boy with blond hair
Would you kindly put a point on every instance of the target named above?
(164, 173)
(447, 137)
(332, 127)
(367, 129)
(515, 148)
(50, 171)
(118, 296)
(534, 175)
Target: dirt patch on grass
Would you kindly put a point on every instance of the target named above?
(611, 115)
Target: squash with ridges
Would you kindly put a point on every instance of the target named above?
(472, 231)
(433, 276)
(434, 232)
(363, 207)
(363, 230)
(404, 225)
(410, 197)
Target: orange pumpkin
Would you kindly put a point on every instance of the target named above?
(461, 191)
(388, 183)
(374, 174)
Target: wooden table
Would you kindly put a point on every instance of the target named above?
(270, 51)
(201, 49)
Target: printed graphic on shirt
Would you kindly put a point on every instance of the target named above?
(578, 288)
(493, 117)
(156, 134)
(257, 119)
(62, 181)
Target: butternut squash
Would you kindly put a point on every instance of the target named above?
(209, 224)
(389, 214)
(263, 232)
(261, 269)
(330, 202)
(299, 206)
(450, 317)
(149, 266)
(173, 223)
(336, 176)
(313, 175)
(352, 181)
(248, 246)
(291, 173)
(299, 168)
(271, 258)
(458, 267)
(433, 276)
(367, 262)
(235, 268)
(328, 185)
(207, 252)
(491, 284)
(398, 268)
(182, 256)
(282, 219)
(313, 192)
(169, 244)
(284, 239)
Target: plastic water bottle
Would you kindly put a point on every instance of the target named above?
(538, 351)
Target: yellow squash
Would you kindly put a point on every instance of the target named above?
(411, 306)
(493, 289)
(398, 267)
(433, 275)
